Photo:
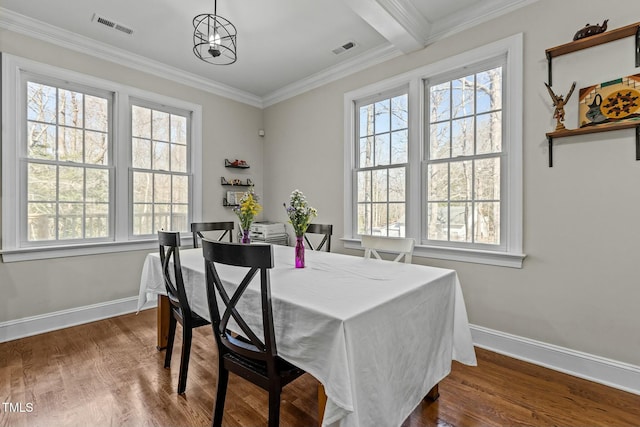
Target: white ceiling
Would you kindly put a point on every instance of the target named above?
(280, 42)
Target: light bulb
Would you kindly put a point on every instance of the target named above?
(214, 44)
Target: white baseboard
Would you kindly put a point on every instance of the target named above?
(40, 324)
(609, 372)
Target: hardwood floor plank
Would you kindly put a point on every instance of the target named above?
(110, 373)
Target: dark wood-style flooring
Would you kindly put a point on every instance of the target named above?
(108, 373)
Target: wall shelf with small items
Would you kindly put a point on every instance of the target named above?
(584, 43)
(233, 197)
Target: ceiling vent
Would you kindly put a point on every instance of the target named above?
(111, 24)
(345, 47)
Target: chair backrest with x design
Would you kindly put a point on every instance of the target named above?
(326, 229)
(169, 242)
(197, 228)
(403, 246)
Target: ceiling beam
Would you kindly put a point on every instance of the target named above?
(396, 20)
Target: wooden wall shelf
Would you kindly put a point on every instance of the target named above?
(598, 39)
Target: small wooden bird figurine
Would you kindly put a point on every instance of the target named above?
(559, 102)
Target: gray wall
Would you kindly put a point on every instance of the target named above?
(230, 130)
(579, 286)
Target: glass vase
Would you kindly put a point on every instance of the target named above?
(246, 239)
(299, 251)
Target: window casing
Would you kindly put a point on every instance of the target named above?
(495, 191)
(82, 198)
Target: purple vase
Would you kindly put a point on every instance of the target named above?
(245, 237)
(299, 252)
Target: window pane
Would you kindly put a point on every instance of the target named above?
(97, 220)
(364, 218)
(179, 217)
(41, 221)
(396, 220)
(487, 223)
(41, 102)
(438, 182)
(178, 158)
(180, 189)
(70, 221)
(160, 130)
(70, 108)
(161, 154)
(439, 141)
(487, 179)
(161, 217)
(142, 219)
(397, 185)
(460, 180)
(141, 153)
(70, 145)
(462, 137)
(489, 90)
(41, 183)
(383, 152)
(364, 186)
(437, 221)
(41, 141)
(382, 110)
(178, 129)
(399, 147)
(161, 188)
(366, 120)
(399, 112)
(96, 148)
(379, 185)
(439, 102)
(97, 185)
(489, 133)
(142, 187)
(71, 184)
(460, 227)
(96, 113)
(141, 122)
(379, 219)
(366, 152)
(462, 96)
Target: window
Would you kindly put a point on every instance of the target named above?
(464, 154)
(452, 177)
(381, 165)
(92, 166)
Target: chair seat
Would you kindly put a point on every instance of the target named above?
(252, 367)
(196, 320)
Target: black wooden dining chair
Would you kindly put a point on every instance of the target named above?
(326, 229)
(248, 352)
(197, 228)
(180, 311)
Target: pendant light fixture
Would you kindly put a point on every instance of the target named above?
(214, 38)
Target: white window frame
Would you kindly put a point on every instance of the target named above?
(13, 133)
(510, 255)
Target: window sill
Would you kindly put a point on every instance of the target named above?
(500, 259)
(47, 252)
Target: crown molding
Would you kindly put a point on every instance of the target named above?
(367, 59)
(409, 17)
(21, 24)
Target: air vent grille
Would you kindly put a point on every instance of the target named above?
(111, 24)
(345, 47)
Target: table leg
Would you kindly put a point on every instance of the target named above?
(322, 402)
(433, 394)
(164, 313)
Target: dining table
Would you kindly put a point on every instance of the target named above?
(378, 335)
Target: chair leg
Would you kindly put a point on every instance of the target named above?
(184, 360)
(170, 338)
(223, 380)
(274, 405)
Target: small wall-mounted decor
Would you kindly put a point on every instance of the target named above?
(611, 101)
(559, 102)
(591, 30)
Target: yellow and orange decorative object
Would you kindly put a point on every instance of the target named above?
(611, 101)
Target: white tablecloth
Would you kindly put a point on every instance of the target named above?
(378, 335)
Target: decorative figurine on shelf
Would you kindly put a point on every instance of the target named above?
(559, 102)
(591, 30)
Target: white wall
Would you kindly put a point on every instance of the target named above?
(230, 130)
(579, 287)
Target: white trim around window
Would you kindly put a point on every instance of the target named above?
(511, 252)
(13, 128)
